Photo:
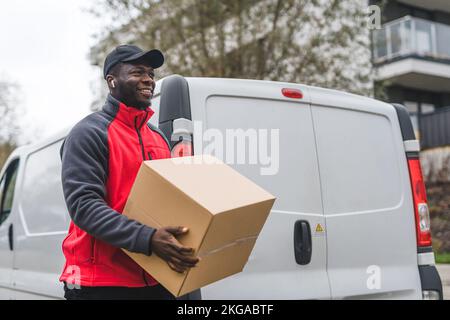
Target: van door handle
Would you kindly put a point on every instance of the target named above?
(10, 237)
(302, 242)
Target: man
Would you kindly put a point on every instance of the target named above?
(100, 160)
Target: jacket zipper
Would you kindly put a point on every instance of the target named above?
(139, 135)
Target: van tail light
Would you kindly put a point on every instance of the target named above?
(421, 211)
(183, 148)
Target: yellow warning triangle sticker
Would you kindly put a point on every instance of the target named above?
(319, 228)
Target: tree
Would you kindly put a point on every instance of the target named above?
(9, 128)
(316, 42)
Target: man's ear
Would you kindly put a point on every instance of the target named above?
(110, 81)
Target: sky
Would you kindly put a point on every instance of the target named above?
(43, 48)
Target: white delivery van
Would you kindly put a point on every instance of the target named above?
(350, 220)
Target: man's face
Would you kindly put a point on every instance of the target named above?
(134, 84)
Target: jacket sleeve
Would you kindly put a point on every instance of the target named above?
(84, 156)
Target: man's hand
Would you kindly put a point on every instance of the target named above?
(165, 245)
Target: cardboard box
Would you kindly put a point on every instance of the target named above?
(223, 210)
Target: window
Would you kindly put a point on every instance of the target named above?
(2, 186)
(396, 39)
(423, 37)
(427, 108)
(42, 184)
(380, 43)
(442, 32)
(7, 186)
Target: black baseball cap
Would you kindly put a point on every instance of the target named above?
(128, 53)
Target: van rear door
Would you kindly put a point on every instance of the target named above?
(366, 193)
(269, 138)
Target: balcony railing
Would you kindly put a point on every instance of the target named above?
(411, 36)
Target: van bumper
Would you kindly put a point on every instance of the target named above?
(430, 280)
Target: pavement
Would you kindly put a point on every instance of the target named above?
(444, 272)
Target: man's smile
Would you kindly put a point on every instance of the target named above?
(146, 92)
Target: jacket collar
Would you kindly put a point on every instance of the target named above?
(130, 116)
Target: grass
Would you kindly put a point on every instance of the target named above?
(442, 257)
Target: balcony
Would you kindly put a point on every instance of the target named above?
(411, 37)
(413, 53)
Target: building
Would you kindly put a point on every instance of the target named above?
(411, 56)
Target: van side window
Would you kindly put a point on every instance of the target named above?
(2, 187)
(7, 186)
(42, 184)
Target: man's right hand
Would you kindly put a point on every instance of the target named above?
(166, 246)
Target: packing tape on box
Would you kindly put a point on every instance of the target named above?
(156, 224)
(228, 245)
